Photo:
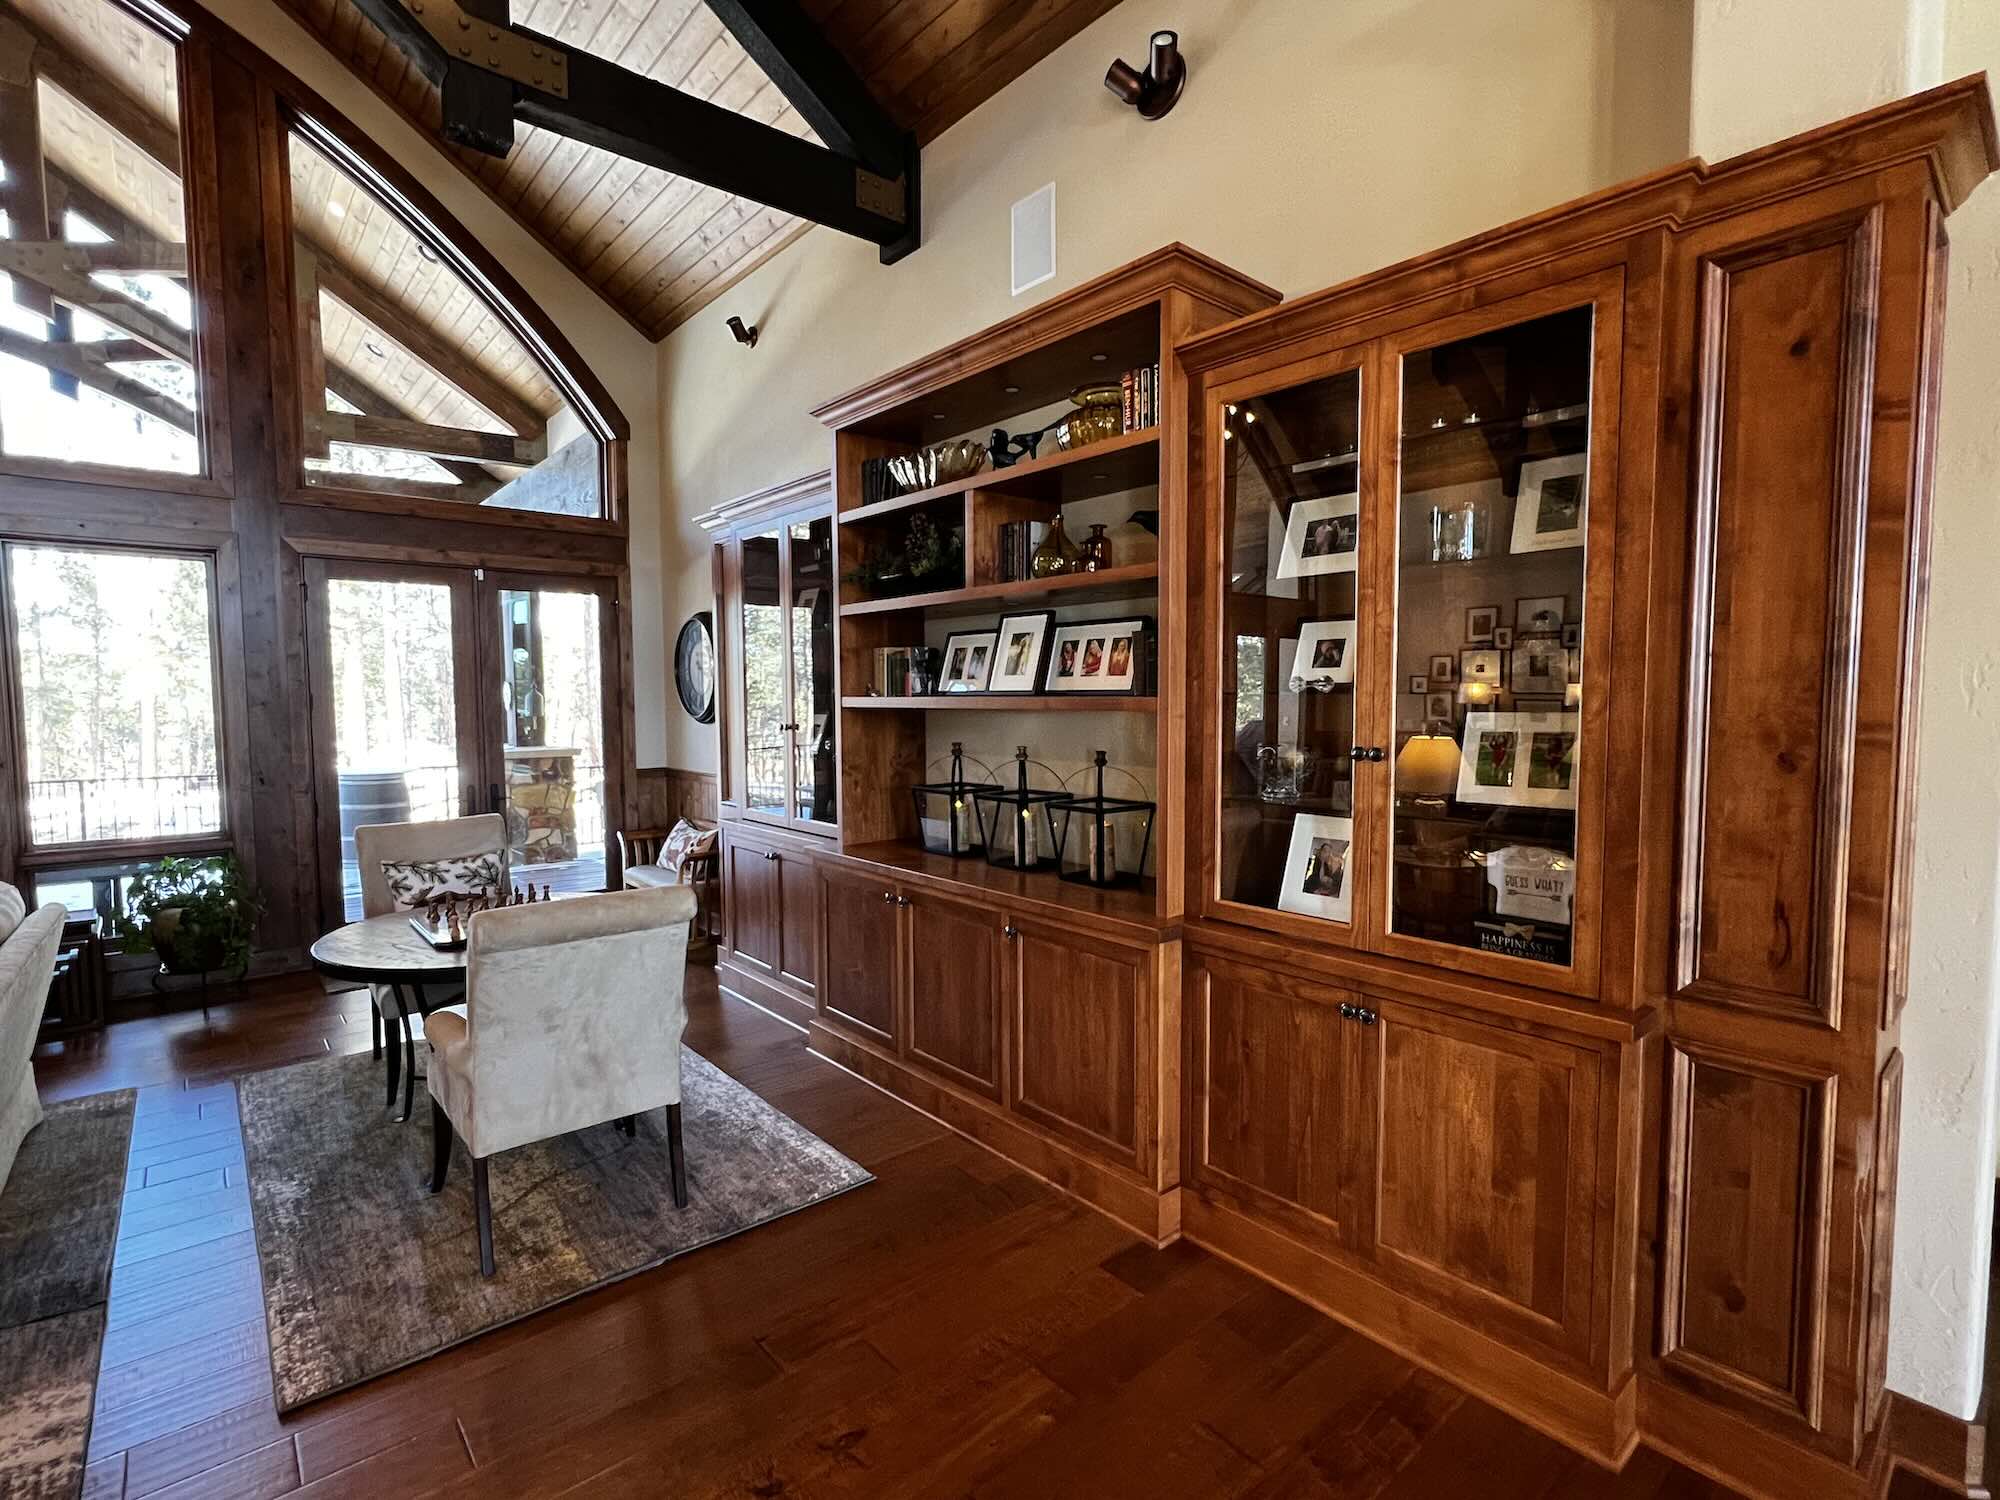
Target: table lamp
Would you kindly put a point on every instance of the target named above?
(1427, 767)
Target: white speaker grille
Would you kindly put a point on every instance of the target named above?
(1034, 238)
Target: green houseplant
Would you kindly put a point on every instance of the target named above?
(197, 914)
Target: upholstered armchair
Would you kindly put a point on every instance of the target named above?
(573, 1017)
(445, 843)
(27, 962)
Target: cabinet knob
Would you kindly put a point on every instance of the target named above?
(1010, 930)
(888, 897)
(902, 900)
(771, 854)
(1370, 752)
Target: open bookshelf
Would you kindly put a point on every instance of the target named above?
(1018, 376)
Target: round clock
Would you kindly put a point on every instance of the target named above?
(694, 667)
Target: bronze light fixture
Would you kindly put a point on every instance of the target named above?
(742, 335)
(1158, 89)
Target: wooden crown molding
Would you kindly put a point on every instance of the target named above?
(785, 495)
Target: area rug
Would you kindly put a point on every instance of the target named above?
(58, 1228)
(365, 1272)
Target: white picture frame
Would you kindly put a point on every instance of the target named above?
(1323, 656)
(1551, 504)
(1108, 656)
(1512, 759)
(1322, 536)
(1316, 870)
(1539, 666)
(968, 661)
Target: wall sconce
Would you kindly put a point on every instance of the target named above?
(1158, 89)
(742, 335)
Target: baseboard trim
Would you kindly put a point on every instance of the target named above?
(1948, 1451)
(755, 989)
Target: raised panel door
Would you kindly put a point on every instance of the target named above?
(798, 921)
(1487, 1172)
(860, 928)
(750, 902)
(953, 984)
(1280, 1098)
(1080, 1007)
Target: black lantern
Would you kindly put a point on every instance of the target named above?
(947, 821)
(1103, 840)
(1014, 821)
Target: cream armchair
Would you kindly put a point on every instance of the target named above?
(28, 943)
(573, 1017)
(376, 844)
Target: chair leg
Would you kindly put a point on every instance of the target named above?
(409, 1070)
(628, 1125)
(676, 1156)
(395, 1068)
(375, 1028)
(440, 1146)
(482, 1207)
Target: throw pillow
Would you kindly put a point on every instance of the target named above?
(12, 909)
(686, 846)
(418, 882)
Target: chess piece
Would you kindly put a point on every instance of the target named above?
(545, 893)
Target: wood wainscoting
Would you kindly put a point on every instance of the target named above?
(663, 795)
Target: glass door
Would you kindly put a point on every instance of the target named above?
(1292, 596)
(550, 760)
(767, 698)
(809, 664)
(395, 714)
(786, 592)
(1501, 497)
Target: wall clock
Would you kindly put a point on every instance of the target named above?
(694, 667)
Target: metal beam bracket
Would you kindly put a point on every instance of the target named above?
(495, 48)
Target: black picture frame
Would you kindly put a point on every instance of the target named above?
(1047, 619)
(1136, 628)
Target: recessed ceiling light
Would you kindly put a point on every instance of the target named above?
(337, 209)
(1098, 359)
(937, 416)
(375, 349)
(1011, 390)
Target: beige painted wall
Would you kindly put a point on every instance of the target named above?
(621, 356)
(1316, 141)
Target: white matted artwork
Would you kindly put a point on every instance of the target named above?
(1097, 656)
(1322, 536)
(968, 658)
(1277, 583)
(1019, 650)
(1549, 509)
(1323, 656)
(1518, 759)
(1315, 878)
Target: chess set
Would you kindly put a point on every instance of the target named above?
(442, 922)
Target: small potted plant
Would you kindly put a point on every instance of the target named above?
(197, 914)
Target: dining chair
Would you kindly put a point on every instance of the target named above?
(573, 1017)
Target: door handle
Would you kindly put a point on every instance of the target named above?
(493, 796)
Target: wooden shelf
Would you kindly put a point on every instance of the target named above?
(1070, 588)
(1124, 462)
(1019, 703)
(972, 874)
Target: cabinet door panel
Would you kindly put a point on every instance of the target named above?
(859, 933)
(751, 897)
(798, 921)
(1077, 1022)
(1488, 1171)
(1279, 1086)
(954, 990)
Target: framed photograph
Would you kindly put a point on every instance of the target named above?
(1444, 669)
(1325, 655)
(1541, 616)
(1572, 636)
(1502, 637)
(1480, 664)
(1097, 656)
(1480, 622)
(968, 659)
(1519, 759)
(1548, 513)
(1540, 666)
(1440, 706)
(1316, 867)
(1020, 650)
(1420, 684)
(1322, 536)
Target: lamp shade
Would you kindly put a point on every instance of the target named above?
(1427, 765)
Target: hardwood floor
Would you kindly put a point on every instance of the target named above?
(956, 1328)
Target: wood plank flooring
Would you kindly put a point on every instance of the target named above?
(955, 1329)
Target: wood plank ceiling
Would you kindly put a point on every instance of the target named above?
(658, 247)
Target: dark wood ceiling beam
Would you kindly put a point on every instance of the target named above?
(821, 85)
(475, 483)
(435, 441)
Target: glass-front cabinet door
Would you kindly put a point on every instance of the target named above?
(785, 600)
(1494, 503)
(1292, 550)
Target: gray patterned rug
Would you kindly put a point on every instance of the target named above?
(58, 1228)
(365, 1272)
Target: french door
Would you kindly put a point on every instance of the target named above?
(439, 692)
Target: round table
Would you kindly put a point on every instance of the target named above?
(386, 951)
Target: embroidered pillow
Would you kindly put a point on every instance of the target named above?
(686, 846)
(13, 907)
(418, 882)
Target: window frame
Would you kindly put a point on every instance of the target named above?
(32, 859)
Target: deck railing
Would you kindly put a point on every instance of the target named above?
(100, 809)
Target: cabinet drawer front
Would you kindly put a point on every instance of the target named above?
(954, 990)
(1279, 1114)
(1488, 1171)
(858, 944)
(1076, 1035)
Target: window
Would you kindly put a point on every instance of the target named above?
(96, 322)
(414, 383)
(114, 672)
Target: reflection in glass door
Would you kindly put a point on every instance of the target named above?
(810, 547)
(766, 705)
(392, 689)
(550, 781)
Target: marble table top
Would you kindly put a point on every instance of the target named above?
(385, 950)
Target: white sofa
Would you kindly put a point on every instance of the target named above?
(27, 961)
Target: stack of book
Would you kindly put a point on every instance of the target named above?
(901, 671)
(877, 483)
(1141, 391)
(1018, 543)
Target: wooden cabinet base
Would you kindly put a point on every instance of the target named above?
(1152, 1215)
(775, 999)
(1743, 1454)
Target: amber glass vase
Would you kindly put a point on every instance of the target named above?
(1094, 551)
(1057, 554)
